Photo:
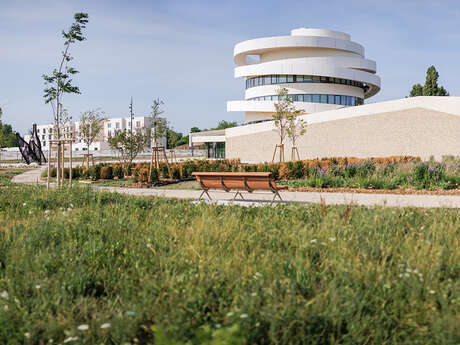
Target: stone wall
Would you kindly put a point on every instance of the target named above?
(415, 132)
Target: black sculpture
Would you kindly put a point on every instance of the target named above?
(31, 151)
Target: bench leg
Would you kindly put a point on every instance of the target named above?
(203, 192)
(241, 195)
(276, 195)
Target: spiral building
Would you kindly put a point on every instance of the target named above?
(321, 69)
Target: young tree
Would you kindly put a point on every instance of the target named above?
(59, 82)
(158, 124)
(296, 128)
(285, 112)
(129, 145)
(91, 126)
(7, 136)
(431, 87)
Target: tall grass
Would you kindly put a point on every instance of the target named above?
(168, 272)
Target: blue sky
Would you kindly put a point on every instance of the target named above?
(182, 51)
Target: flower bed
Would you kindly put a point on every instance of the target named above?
(388, 173)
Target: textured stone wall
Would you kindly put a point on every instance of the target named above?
(415, 132)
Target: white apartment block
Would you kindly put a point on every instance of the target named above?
(111, 127)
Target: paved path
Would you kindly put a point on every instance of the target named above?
(257, 199)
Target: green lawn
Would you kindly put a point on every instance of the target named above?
(82, 267)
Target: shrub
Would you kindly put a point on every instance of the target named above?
(176, 171)
(164, 170)
(154, 175)
(118, 171)
(95, 172)
(107, 172)
(350, 170)
(366, 168)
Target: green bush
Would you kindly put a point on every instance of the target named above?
(176, 171)
(107, 172)
(366, 168)
(154, 175)
(95, 172)
(118, 171)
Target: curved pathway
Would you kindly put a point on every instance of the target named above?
(256, 199)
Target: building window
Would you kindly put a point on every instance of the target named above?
(109, 133)
(117, 125)
(138, 123)
(109, 125)
(38, 130)
(44, 143)
(51, 130)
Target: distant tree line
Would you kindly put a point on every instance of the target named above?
(7, 136)
(175, 139)
(431, 87)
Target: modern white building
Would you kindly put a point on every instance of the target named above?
(111, 126)
(321, 69)
(327, 76)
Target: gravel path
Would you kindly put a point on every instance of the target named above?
(256, 199)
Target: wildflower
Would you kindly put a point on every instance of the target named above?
(431, 292)
(24, 204)
(71, 205)
(4, 294)
(323, 244)
(400, 275)
(332, 239)
(230, 314)
(69, 339)
(30, 212)
(406, 275)
(69, 209)
(106, 325)
(83, 327)
(243, 316)
(27, 335)
(64, 213)
(254, 294)
(258, 274)
(37, 287)
(408, 270)
(314, 240)
(5, 308)
(131, 313)
(47, 211)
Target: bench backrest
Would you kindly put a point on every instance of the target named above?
(235, 180)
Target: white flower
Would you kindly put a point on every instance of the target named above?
(5, 308)
(323, 244)
(64, 213)
(408, 270)
(254, 294)
(332, 239)
(432, 292)
(106, 325)
(258, 274)
(4, 294)
(400, 275)
(69, 339)
(71, 205)
(230, 314)
(406, 275)
(24, 204)
(69, 209)
(314, 240)
(27, 335)
(83, 327)
(37, 286)
(415, 271)
(243, 316)
(30, 212)
(47, 211)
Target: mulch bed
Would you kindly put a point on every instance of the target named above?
(376, 191)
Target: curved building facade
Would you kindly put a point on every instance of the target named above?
(321, 69)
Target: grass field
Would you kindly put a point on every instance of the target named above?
(82, 267)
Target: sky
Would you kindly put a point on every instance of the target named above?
(182, 51)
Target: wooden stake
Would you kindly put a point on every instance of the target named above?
(70, 164)
(49, 169)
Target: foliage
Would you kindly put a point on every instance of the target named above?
(60, 82)
(128, 145)
(156, 271)
(295, 129)
(431, 87)
(285, 114)
(107, 172)
(7, 137)
(91, 126)
(225, 124)
(159, 124)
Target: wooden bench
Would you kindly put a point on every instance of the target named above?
(238, 181)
